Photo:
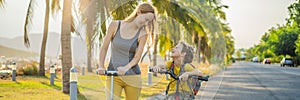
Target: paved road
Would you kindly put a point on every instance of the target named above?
(253, 81)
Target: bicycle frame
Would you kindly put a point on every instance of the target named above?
(112, 74)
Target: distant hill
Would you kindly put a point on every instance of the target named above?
(53, 45)
(10, 52)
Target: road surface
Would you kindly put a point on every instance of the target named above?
(253, 81)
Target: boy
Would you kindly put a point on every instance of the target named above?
(182, 56)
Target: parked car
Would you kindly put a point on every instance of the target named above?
(266, 61)
(287, 61)
(255, 59)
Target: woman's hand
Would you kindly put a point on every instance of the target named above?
(184, 77)
(101, 71)
(122, 70)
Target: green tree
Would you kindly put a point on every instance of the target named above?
(286, 46)
(238, 54)
(229, 47)
(293, 22)
(294, 11)
(250, 53)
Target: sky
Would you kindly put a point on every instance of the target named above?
(248, 19)
(13, 15)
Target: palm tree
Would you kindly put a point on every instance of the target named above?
(94, 14)
(184, 15)
(200, 18)
(89, 12)
(212, 18)
(66, 44)
(44, 41)
(55, 7)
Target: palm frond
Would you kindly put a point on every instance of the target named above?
(55, 6)
(28, 20)
(165, 44)
(123, 9)
(78, 21)
(84, 4)
(2, 2)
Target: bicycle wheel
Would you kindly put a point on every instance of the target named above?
(182, 96)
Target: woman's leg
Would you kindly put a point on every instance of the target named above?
(132, 93)
(133, 87)
(117, 88)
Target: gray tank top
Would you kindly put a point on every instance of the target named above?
(123, 51)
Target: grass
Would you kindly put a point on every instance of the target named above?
(29, 88)
(32, 88)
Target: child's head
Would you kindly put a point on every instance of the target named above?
(184, 51)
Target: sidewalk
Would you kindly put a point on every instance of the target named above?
(209, 90)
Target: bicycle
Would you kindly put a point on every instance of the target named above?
(193, 89)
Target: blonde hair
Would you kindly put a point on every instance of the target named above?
(189, 53)
(145, 8)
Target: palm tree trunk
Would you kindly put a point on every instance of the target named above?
(89, 58)
(44, 42)
(149, 54)
(88, 44)
(203, 49)
(66, 45)
(199, 48)
(91, 15)
(155, 51)
(107, 7)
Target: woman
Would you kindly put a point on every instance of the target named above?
(127, 39)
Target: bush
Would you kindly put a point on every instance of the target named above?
(30, 69)
(20, 71)
(297, 61)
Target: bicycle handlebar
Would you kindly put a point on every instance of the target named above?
(203, 78)
(166, 72)
(109, 73)
(162, 71)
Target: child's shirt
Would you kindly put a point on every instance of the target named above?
(183, 84)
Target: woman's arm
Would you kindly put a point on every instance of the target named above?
(107, 38)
